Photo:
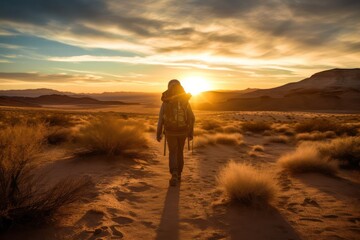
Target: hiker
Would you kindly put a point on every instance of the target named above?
(176, 121)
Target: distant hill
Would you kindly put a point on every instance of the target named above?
(138, 97)
(331, 90)
(345, 79)
(32, 92)
(54, 99)
(211, 97)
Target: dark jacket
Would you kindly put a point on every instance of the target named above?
(184, 99)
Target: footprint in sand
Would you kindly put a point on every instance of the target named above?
(148, 224)
(330, 216)
(309, 201)
(122, 220)
(139, 187)
(121, 196)
(354, 219)
(92, 218)
(198, 222)
(311, 219)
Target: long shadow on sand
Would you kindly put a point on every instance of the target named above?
(336, 186)
(169, 223)
(245, 222)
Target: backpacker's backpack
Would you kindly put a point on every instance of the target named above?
(175, 116)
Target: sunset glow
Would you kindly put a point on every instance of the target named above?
(97, 45)
(196, 85)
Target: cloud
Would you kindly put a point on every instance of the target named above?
(225, 27)
(53, 78)
(79, 78)
(227, 35)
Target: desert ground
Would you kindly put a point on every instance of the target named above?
(301, 171)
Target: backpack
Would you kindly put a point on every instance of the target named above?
(175, 116)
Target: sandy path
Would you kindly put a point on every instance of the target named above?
(131, 199)
(150, 209)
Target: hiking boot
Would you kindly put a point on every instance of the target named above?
(174, 180)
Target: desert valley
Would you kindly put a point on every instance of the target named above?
(279, 163)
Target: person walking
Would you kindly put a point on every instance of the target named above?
(176, 122)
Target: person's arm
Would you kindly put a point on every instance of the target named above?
(191, 118)
(160, 124)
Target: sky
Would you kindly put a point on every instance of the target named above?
(139, 45)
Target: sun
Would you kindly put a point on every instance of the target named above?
(195, 84)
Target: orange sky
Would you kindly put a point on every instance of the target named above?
(96, 46)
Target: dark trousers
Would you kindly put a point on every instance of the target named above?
(176, 153)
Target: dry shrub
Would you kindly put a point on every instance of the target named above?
(109, 135)
(315, 136)
(324, 125)
(255, 126)
(283, 129)
(199, 131)
(279, 139)
(219, 138)
(151, 129)
(57, 119)
(306, 158)
(211, 124)
(257, 148)
(246, 184)
(20, 143)
(232, 129)
(58, 135)
(346, 150)
(25, 197)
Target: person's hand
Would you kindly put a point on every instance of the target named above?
(158, 138)
(190, 137)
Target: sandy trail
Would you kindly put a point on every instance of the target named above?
(131, 199)
(148, 208)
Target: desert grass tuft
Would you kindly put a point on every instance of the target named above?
(257, 148)
(256, 126)
(211, 124)
(346, 150)
(57, 119)
(109, 135)
(315, 136)
(324, 125)
(24, 196)
(306, 158)
(219, 138)
(59, 135)
(279, 139)
(246, 184)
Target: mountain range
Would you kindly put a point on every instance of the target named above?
(54, 99)
(330, 90)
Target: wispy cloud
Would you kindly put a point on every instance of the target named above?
(54, 78)
(227, 35)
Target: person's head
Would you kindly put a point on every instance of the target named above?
(173, 82)
(175, 88)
